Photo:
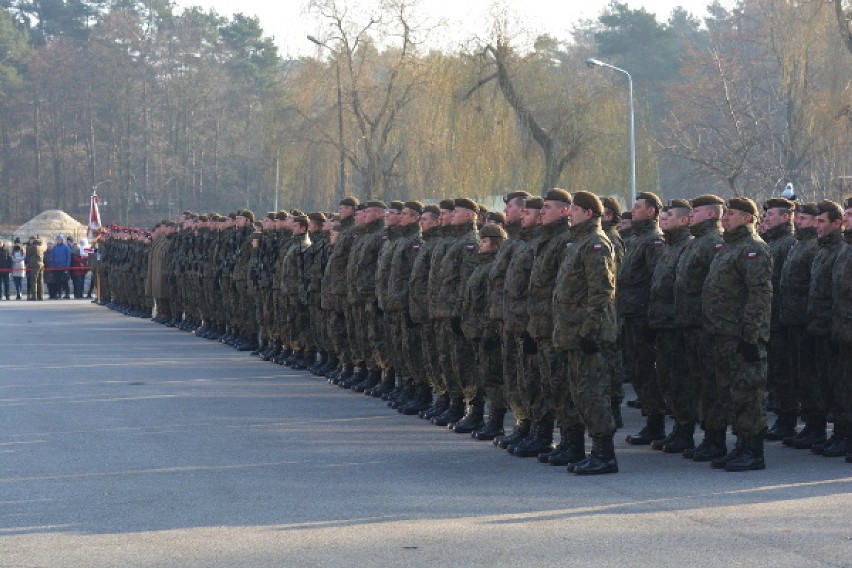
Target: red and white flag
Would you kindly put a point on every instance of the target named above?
(94, 217)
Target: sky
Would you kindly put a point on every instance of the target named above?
(289, 24)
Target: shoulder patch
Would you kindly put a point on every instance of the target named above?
(659, 243)
(415, 247)
(470, 247)
(568, 244)
(751, 255)
(719, 246)
(384, 237)
(597, 246)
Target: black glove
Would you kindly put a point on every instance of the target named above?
(749, 351)
(455, 325)
(588, 346)
(530, 346)
(408, 321)
(490, 343)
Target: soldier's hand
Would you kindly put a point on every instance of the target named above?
(530, 346)
(588, 346)
(455, 325)
(749, 351)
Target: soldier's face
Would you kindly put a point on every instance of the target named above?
(462, 216)
(446, 216)
(332, 236)
(487, 245)
(429, 221)
(804, 221)
(529, 217)
(513, 210)
(579, 214)
(345, 211)
(392, 218)
(775, 217)
(642, 211)
(553, 211)
(408, 217)
(847, 219)
(734, 218)
(826, 226)
(664, 220)
(623, 225)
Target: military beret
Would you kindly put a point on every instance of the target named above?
(415, 206)
(493, 232)
(256, 236)
(186, 213)
(203, 218)
(612, 205)
(297, 212)
(301, 220)
(271, 215)
(496, 216)
(433, 209)
(281, 216)
(588, 200)
(831, 207)
(482, 209)
(627, 215)
(652, 197)
(247, 213)
(743, 204)
(808, 209)
(376, 203)
(317, 216)
(360, 207)
(557, 194)
(678, 204)
(465, 203)
(350, 201)
(232, 215)
(848, 203)
(707, 199)
(447, 204)
(398, 205)
(515, 195)
(533, 202)
(778, 203)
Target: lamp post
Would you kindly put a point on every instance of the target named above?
(342, 164)
(593, 63)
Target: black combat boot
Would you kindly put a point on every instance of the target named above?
(784, 427)
(812, 433)
(601, 459)
(386, 385)
(532, 434)
(308, 358)
(683, 439)
(330, 364)
(721, 462)
(563, 438)
(616, 413)
(713, 446)
(347, 371)
(750, 457)
(406, 396)
(359, 375)
(472, 419)
(422, 400)
(655, 429)
(520, 431)
(452, 414)
(541, 442)
(441, 403)
(838, 445)
(492, 428)
(658, 444)
(249, 342)
(373, 378)
(571, 448)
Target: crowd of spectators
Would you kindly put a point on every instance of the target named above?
(61, 267)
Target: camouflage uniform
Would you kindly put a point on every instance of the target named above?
(334, 290)
(418, 308)
(841, 335)
(780, 240)
(364, 321)
(397, 298)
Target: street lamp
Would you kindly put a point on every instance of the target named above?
(592, 63)
(342, 165)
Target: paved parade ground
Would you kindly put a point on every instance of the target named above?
(124, 443)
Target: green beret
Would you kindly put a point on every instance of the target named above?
(707, 199)
(496, 216)
(743, 204)
(627, 215)
(232, 215)
(447, 204)
(397, 205)
(831, 207)
(848, 203)
(281, 216)
(465, 203)
(590, 201)
(415, 206)
(534, 203)
(433, 209)
(247, 213)
(203, 218)
(652, 197)
(350, 201)
(492, 232)
(779, 203)
(297, 213)
(482, 209)
(271, 215)
(317, 216)
(376, 203)
(557, 194)
(808, 209)
(678, 204)
(301, 220)
(515, 195)
(612, 205)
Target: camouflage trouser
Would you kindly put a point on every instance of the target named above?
(682, 390)
(529, 382)
(336, 328)
(817, 385)
(458, 361)
(614, 360)
(355, 323)
(801, 354)
(639, 356)
(163, 308)
(378, 352)
(35, 284)
(489, 380)
(318, 328)
(701, 376)
(429, 353)
(412, 351)
(842, 388)
(741, 386)
(510, 360)
(779, 375)
(589, 393)
(300, 323)
(548, 369)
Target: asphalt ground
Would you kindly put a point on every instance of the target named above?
(125, 444)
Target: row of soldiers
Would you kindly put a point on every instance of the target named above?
(544, 310)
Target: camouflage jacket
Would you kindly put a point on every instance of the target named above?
(390, 240)
(691, 272)
(456, 267)
(408, 246)
(584, 296)
(550, 248)
(363, 261)
(291, 268)
(418, 280)
(661, 307)
(795, 279)
(637, 267)
(820, 303)
(315, 261)
(841, 293)
(497, 273)
(737, 295)
(334, 280)
(516, 286)
(475, 322)
(780, 240)
(445, 241)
